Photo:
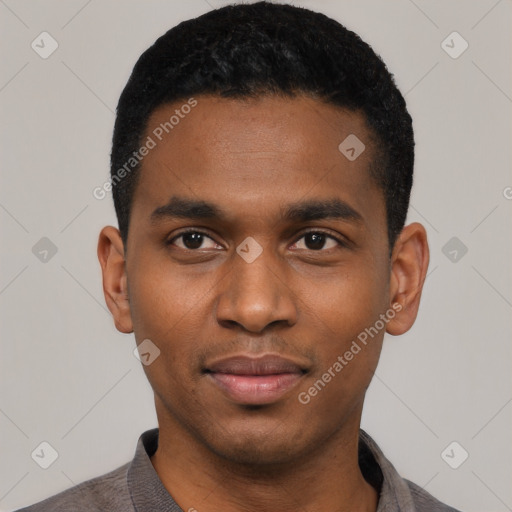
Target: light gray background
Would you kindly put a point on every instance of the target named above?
(69, 378)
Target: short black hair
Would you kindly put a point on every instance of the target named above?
(251, 50)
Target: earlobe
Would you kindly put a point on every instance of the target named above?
(409, 264)
(115, 283)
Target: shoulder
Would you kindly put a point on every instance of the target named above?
(105, 492)
(425, 502)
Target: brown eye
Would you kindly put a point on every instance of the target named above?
(193, 240)
(315, 241)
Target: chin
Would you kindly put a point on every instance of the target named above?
(259, 448)
(251, 455)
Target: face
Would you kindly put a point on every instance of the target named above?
(257, 256)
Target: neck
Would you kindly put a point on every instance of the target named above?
(328, 478)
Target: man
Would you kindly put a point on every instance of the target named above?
(261, 169)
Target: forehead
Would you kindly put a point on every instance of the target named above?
(259, 124)
(257, 153)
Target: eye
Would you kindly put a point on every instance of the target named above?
(316, 241)
(192, 240)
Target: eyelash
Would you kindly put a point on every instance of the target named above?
(341, 243)
(186, 232)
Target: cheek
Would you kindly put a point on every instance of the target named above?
(171, 314)
(165, 299)
(331, 396)
(345, 309)
(169, 311)
(347, 350)
(348, 299)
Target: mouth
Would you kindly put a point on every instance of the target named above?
(260, 380)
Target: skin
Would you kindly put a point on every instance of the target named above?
(253, 159)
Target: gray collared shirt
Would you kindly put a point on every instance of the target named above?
(135, 486)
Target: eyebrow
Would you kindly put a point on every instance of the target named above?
(318, 210)
(303, 211)
(183, 208)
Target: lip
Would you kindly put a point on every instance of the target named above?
(250, 380)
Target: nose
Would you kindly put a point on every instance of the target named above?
(256, 296)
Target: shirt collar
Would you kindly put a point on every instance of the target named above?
(149, 494)
(146, 489)
(394, 494)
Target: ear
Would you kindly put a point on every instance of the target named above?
(115, 282)
(409, 264)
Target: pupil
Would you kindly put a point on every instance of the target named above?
(315, 241)
(192, 240)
